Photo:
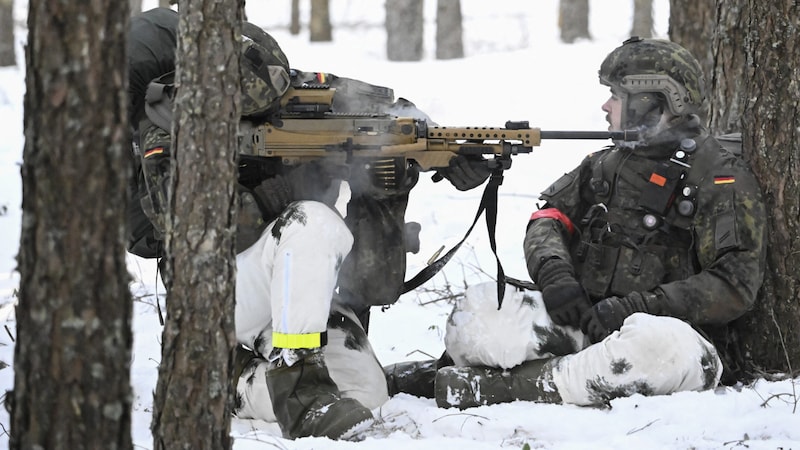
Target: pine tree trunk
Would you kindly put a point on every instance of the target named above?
(320, 29)
(729, 62)
(73, 349)
(404, 30)
(7, 53)
(449, 34)
(692, 25)
(770, 335)
(294, 23)
(745, 35)
(573, 20)
(642, 18)
(193, 400)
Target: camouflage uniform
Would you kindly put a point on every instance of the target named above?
(705, 267)
(651, 246)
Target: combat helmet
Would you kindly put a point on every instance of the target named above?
(265, 72)
(650, 75)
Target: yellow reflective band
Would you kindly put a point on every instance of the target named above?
(309, 340)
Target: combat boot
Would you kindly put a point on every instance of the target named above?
(307, 402)
(411, 377)
(468, 387)
(414, 377)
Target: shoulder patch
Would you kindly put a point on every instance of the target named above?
(559, 185)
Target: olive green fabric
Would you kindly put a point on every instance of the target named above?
(468, 387)
(308, 403)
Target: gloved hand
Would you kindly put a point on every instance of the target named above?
(563, 296)
(607, 315)
(273, 195)
(308, 181)
(466, 172)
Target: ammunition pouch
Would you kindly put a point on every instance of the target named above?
(613, 265)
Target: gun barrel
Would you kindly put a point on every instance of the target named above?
(628, 135)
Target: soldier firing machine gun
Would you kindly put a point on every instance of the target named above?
(307, 129)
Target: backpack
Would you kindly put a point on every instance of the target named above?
(152, 44)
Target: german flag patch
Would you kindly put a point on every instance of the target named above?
(153, 152)
(724, 179)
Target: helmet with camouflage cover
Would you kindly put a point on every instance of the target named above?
(650, 76)
(265, 72)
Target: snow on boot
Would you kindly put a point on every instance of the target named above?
(308, 403)
(468, 387)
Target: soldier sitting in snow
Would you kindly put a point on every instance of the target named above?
(305, 359)
(643, 254)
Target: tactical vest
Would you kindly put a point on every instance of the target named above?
(638, 232)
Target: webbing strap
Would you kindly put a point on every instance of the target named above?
(308, 340)
(488, 204)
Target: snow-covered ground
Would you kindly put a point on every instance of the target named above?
(515, 69)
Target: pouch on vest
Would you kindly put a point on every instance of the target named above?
(597, 269)
(636, 270)
(659, 192)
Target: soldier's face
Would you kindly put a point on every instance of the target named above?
(613, 110)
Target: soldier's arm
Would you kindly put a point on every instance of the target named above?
(730, 234)
(551, 228)
(155, 149)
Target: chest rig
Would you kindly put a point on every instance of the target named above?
(638, 234)
(667, 188)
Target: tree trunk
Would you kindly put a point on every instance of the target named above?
(691, 24)
(8, 55)
(294, 24)
(73, 349)
(404, 30)
(573, 20)
(769, 335)
(642, 18)
(729, 62)
(193, 400)
(449, 35)
(320, 29)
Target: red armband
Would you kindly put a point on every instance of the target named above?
(554, 213)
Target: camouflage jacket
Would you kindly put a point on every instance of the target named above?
(689, 225)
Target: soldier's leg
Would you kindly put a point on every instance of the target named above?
(299, 257)
(352, 362)
(501, 355)
(649, 355)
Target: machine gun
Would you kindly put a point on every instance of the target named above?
(306, 129)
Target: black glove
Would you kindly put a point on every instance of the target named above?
(466, 172)
(607, 315)
(563, 296)
(273, 195)
(308, 181)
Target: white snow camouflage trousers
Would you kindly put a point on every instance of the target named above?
(285, 281)
(649, 355)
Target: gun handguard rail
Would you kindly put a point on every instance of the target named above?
(342, 137)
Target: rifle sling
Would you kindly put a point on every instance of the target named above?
(488, 204)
